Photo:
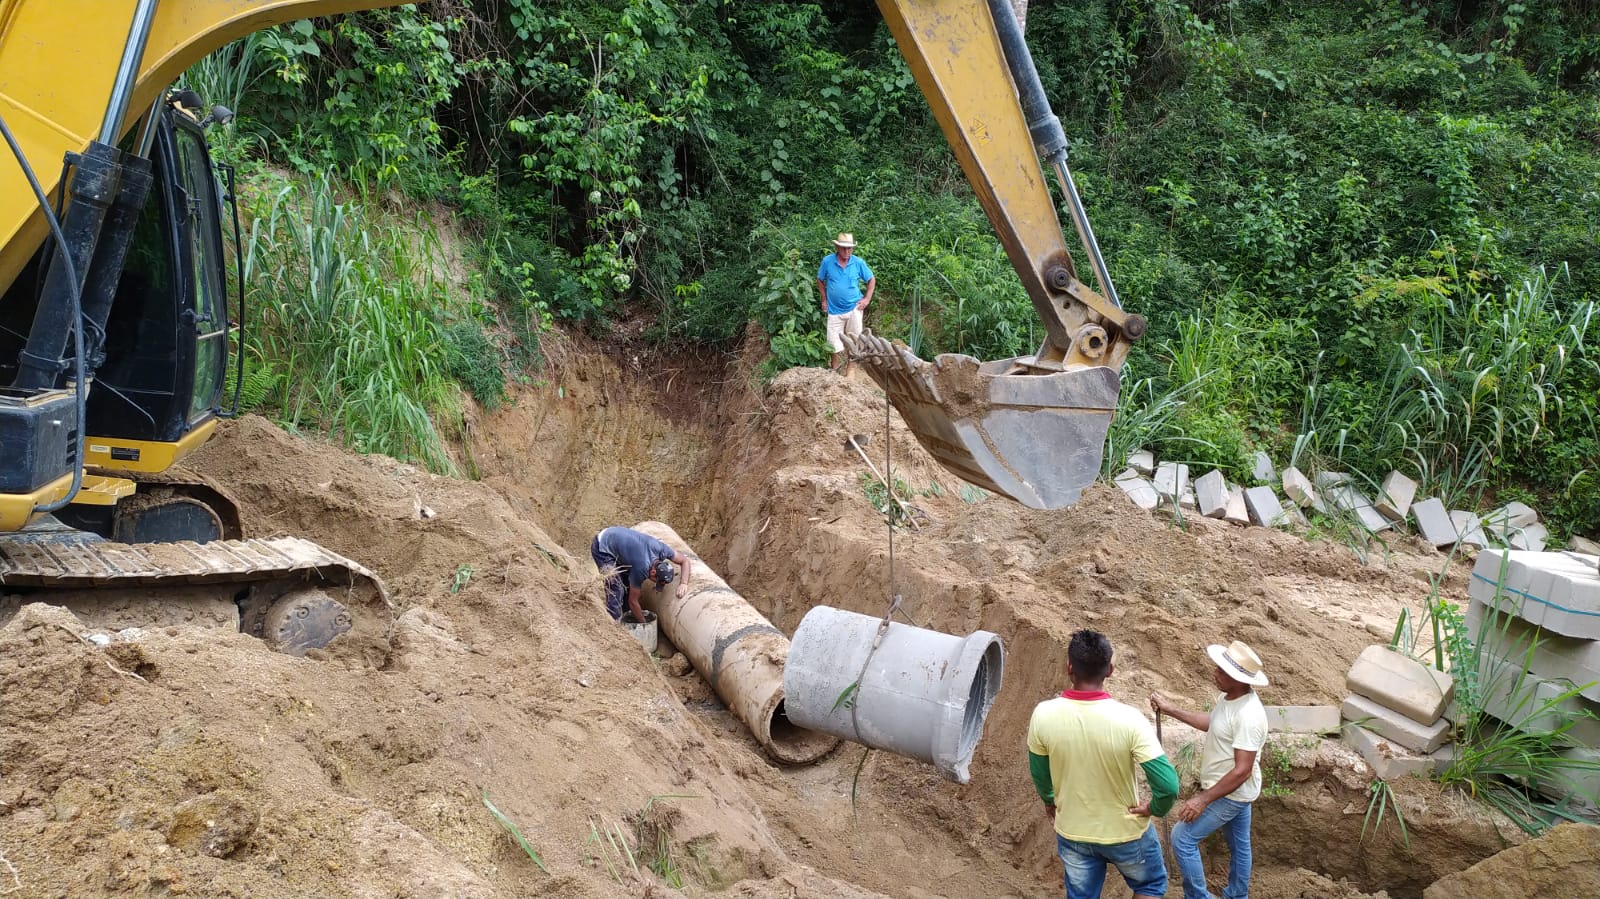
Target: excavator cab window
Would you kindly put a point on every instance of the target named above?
(166, 338)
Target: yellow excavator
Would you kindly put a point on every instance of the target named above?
(114, 335)
(115, 318)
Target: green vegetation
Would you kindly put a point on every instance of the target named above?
(515, 833)
(1363, 231)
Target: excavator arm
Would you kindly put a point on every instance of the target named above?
(1032, 428)
(66, 80)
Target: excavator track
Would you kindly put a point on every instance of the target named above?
(293, 594)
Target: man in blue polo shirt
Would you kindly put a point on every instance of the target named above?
(839, 280)
(628, 558)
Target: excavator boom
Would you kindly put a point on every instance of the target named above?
(60, 62)
(1032, 428)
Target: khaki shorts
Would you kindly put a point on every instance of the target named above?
(848, 323)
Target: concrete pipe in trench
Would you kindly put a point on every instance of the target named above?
(921, 693)
(735, 649)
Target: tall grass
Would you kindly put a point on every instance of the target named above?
(345, 311)
(1477, 379)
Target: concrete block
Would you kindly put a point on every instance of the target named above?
(1236, 511)
(1188, 501)
(1394, 500)
(1580, 784)
(1298, 487)
(1556, 591)
(1302, 719)
(1143, 461)
(1533, 537)
(1434, 523)
(1549, 655)
(1264, 507)
(1470, 529)
(1262, 470)
(1509, 517)
(1401, 683)
(1531, 703)
(1392, 725)
(1350, 500)
(1140, 490)
(1172, 479)
(1211, 490)
(1583, 545)
(1293, 517)
(1387, 760)
(1326, 480)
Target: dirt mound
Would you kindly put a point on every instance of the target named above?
(185, 761)
(1565, 862)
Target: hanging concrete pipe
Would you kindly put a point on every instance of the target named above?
(920, 693)
(735, 649)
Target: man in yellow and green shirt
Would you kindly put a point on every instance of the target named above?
(1082, 749)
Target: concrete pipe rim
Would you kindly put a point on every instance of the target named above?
(786, 741)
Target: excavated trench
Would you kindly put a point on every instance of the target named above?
(760, 483)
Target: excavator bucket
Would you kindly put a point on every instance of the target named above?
(1037, 439)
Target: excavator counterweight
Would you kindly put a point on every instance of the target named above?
(1032, 427)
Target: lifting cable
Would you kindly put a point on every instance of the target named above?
(895, 599)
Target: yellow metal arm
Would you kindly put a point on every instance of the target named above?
(58, 59)
(956, 55)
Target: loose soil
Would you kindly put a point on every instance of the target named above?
(186, 761)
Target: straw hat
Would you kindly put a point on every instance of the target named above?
(845, 239)
(1239, 662)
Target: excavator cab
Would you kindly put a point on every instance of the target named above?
(160, 362)
(1032, 427)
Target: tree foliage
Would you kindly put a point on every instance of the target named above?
(1364, 229)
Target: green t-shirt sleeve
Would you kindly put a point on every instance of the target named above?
(1039, 770)
(1163, 779)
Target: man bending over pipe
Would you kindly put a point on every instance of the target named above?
(1082, 747)
(628, 558)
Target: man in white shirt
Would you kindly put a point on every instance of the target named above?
(1230, 770)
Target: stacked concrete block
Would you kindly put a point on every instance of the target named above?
(1262, 469)
(1401, 683)
(1264, 507)
(1549, 655)
(1348, 499)
(1302, 719)
(1396, 703)
(1138, 489)
(1393, 726)
(1579, 785)
(1433, 521)
(1172, 481)
(1327, 480)
(1556, 591)
(1583, 545)
(1533, 537)
(1390, 761)
(1521, 699)
(1143, 462)
(1298, 487)
(1470, 529)
(1510, 517)
(1236, 512)
(1211, 491)
(1394, 500)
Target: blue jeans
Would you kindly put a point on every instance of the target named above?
(1233, 819)
(1139, 861)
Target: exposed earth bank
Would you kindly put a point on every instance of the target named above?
(186, 761)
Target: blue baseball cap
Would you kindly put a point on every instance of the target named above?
(665, 572)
